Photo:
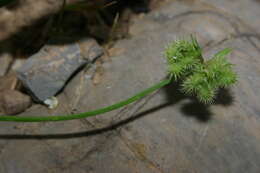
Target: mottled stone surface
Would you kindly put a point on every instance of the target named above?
(9, 81)
(13, 102)
(5, 61)
(45, 73)
(165, 132)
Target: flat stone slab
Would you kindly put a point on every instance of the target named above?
(45, 73)
(165, 132)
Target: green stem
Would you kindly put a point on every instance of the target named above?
(91, 113)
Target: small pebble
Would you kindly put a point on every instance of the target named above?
(52, 102)
(13, 102)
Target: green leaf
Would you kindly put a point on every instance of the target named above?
(223, 52)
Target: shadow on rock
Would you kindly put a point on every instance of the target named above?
(224, 97)
(197, 110)
(194, 108)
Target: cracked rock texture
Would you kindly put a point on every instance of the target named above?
(165, 132)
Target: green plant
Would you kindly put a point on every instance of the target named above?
(186, 64)
(199, 77)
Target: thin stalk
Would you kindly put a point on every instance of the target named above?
(90, 113)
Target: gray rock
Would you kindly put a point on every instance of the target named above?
(45, 73)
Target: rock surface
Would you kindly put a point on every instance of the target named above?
(13, 102)
(5, 61)
(165, 132)
(9, 81)
(45, 73)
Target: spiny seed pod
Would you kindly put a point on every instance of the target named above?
(182, 56)
(221, 70)
(199, 78)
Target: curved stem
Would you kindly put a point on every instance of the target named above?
(91, 113)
